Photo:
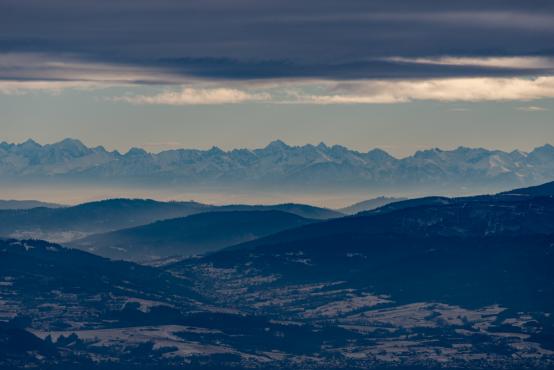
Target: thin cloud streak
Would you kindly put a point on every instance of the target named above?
(49, 87)
(362, 92)
(442, 90)
(29, 71)
(525, 63)
(193, 96)
(532, 108)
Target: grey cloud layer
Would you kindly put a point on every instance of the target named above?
(246, 39)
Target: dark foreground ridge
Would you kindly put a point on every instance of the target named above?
(437, 283)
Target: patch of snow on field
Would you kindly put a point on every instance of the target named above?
(51, 236)
(163, 336)
(146, 305)
(345, 306)
(426, 315)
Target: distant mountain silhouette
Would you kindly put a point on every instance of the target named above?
(370, 204)
(302, 210)
(278, 166)
(86, 218)
(189, 235)
(27, 204)
(70, 223)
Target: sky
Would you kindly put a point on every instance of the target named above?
(400, 75)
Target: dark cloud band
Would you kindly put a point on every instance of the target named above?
(248, 39)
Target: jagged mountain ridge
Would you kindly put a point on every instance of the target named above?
(278, 164)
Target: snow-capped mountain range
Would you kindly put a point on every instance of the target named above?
(279, 165)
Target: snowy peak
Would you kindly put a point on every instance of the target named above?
(136, 152)
(72, 147)
(69, 143)
(379, 155)
(277, 145)
(545, 151)
(278, 165)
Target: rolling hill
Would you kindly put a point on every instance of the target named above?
(475, 272)
(539, 190)
(436, 283)
(61, 308)
(63, 224)
(199, 233)
(369, 205)
(70, 223)
(27, 204)
(68, 288)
